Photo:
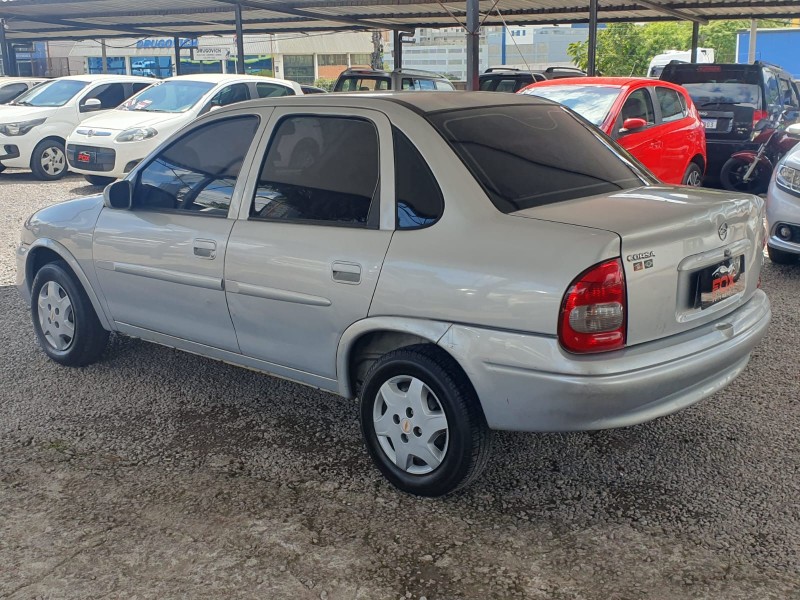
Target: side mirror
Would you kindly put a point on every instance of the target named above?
(632, 124)
(91, 105)
(118, 195)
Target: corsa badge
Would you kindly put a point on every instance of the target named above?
(723, 231)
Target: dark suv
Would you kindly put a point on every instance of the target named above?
(731, 99)
(373, 80)
(510, 79)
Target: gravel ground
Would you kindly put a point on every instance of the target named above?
(158, 474)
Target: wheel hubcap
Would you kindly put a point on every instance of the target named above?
(693, 179)
(56, 317)
(53, 161)
(411, 425)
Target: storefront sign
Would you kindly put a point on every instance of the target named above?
(211, 53)
(166, 43)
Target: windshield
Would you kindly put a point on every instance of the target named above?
(53, 93)
(717, 84)
(706, 94)
(173, 96)
(592, 102)
(526, 156)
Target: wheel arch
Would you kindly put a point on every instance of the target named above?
(44, 251)
(700, 161)
(366, 340)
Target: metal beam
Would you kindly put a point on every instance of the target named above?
(397, 42)
(695, 38)
(592, 50)
(239, 40)
(176, 42)
(78, 25)
(473, 44)
(4, 48)
(672, 12)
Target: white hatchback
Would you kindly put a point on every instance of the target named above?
(35, 125)
(108, 147)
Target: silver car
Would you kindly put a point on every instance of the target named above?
(461, 262)
(783, 208)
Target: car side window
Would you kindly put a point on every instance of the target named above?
(639, 105)
(230, 94)
(772, 89)
(787, 98)
(506, 85)
(407, 84)
(672, 109)
(487, 84)
(197, 173)
(110, 95)
(424, 84)
(322, 170)
(11, 91)
(272, 90)
(418, 196)
(138, 87)
(444, 86)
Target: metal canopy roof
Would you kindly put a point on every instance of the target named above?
(81, 19)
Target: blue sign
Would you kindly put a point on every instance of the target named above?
(167, 43)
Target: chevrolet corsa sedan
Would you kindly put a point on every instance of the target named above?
(461, 262)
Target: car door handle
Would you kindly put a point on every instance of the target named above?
(205, 249)
(346, 272)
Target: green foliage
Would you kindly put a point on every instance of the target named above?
(627, 48)
(325, 84)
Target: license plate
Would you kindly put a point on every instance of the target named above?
(86, 157)
(720, 281)
(710, 123)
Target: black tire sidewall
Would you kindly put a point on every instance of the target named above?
(693, 167)
(727, 178)
(36, 160)
(456, 463)
(56, 272)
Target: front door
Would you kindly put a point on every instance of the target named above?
(305, 255)
(642, 143)
(160, 264)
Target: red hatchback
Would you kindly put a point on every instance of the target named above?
(655, 121)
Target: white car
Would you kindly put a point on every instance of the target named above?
(783, 208)
(11, 87)
(109, 146)
(34, 127)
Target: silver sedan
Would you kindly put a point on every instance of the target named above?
(462, 263)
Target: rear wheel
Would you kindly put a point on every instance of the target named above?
(48, 161)
(64, 320)
(422, 422)
(732, 177)
(781, 257)
(99, 180)
(693, 175)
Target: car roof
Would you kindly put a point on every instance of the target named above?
(619, 82)
(226, 77)
(102, 77)
(419, 102)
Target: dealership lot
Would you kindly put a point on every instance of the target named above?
(156, 473)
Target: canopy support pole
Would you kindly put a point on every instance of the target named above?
(695, 38)
(473, 44)
(239, 41)
(592, 56)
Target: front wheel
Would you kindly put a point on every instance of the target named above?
(422, 422)
(99, 180)
(64, 320)
(49, 161)
(732, 177)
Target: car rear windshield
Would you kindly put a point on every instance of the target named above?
(362, 84)
(527, 156)
(52, 93)
(717, 84)
(592, 102)
(171, 96)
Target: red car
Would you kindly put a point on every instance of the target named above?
(654, 120)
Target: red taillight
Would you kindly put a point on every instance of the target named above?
(758, 115)
(593, 311)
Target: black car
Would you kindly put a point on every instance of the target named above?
(510, 79)
(731, 99)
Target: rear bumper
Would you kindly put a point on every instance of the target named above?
(527, 383)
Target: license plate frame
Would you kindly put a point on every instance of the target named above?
(710, 123)
(86, 157)
(719, 281)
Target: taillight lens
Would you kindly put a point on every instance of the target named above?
(758, 115)
(593, 315)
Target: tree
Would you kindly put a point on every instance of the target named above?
(627, 48)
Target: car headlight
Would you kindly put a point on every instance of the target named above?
(137, 134)
(20, 127)
(788, 178)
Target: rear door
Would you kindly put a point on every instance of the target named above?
(304, 257)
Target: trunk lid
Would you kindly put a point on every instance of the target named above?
(679, 248)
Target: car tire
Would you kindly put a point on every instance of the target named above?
(781, 257)
(49, 160)
(99, 180)
(419, 400)
(731, 177)
(64, 320)
(693, 175)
